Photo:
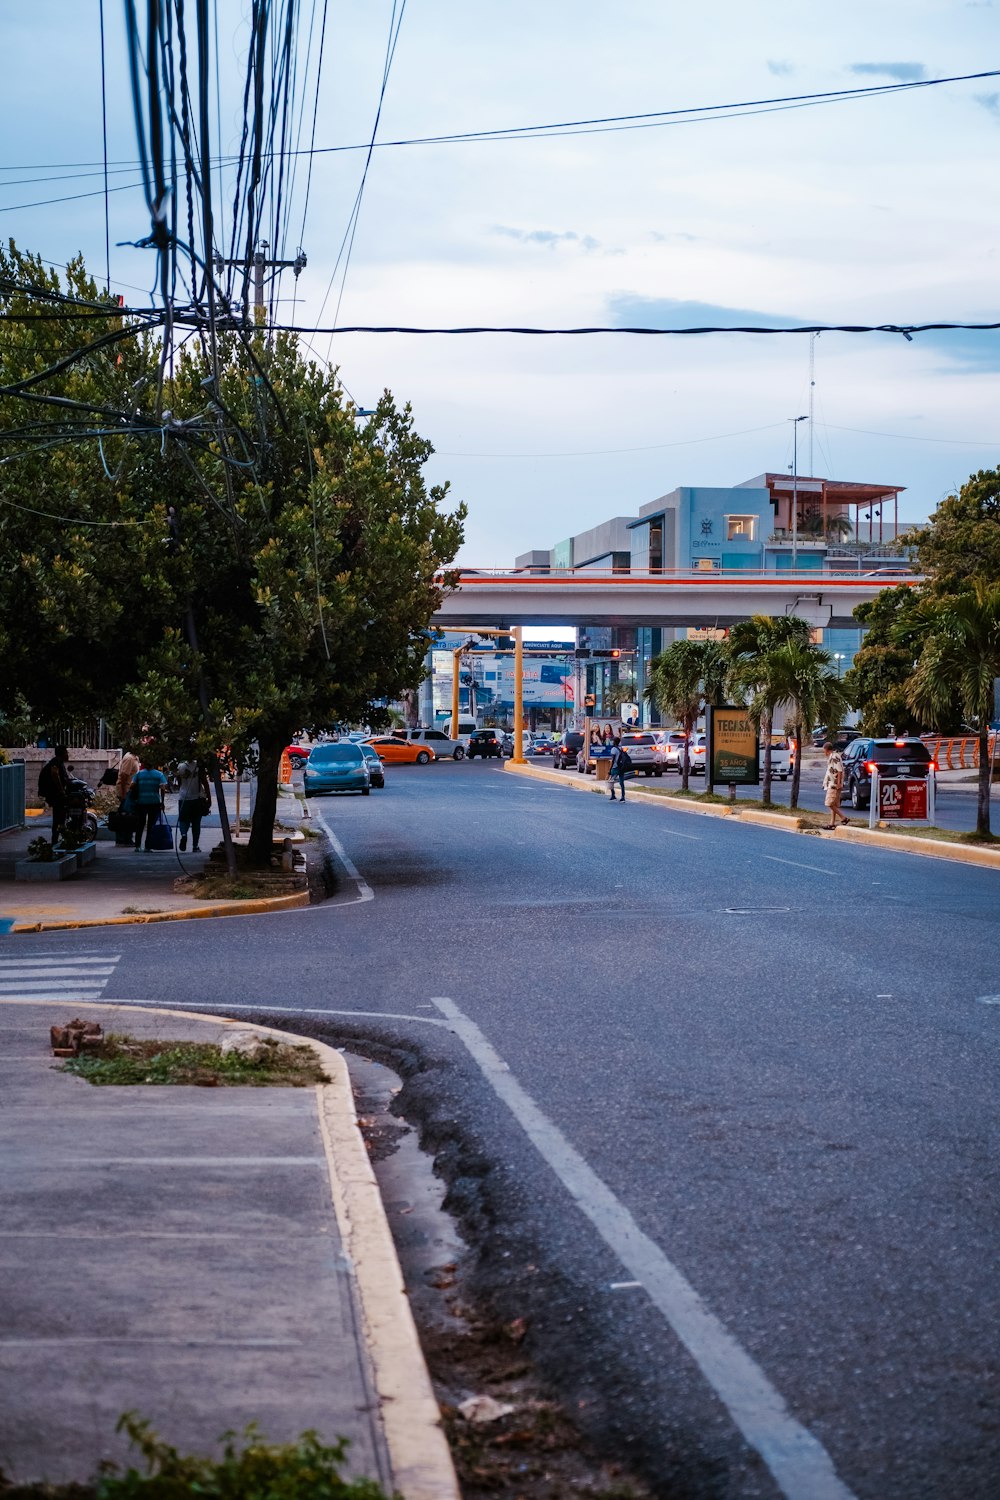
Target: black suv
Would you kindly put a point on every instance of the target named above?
(565, 753)
(485, 742)
(901, 757)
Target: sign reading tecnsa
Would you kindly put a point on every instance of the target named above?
(734, 754)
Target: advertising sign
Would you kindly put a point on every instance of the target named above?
(732, 745)
(902, 800)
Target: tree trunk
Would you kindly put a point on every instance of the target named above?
(985, 779)
(686, 758)
(766, 721)
(411, 707)
(215, 776)
(266, 805)
(797, 770)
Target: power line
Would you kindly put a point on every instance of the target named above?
(907, 330)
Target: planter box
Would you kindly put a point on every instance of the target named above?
(54, 869)
(85, 855)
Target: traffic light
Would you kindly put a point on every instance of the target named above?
(613, 655)
(582, 653)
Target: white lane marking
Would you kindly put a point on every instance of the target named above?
(365, 892)
(60, 976)
(50, 986)
(800, 1465)
(798, 864)
(989, 999)
(222, 1010)
(57, 971)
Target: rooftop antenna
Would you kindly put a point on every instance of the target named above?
(812, 395)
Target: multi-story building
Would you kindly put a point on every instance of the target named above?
(772, 523)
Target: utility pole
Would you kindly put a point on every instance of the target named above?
(261, 263)
(795, 487)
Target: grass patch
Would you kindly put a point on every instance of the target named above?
(141, 911)
(944, 835)
(124, 1059)
(250, 1469)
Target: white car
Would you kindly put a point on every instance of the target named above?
(644, 751)
(672, 746)
(435, 739)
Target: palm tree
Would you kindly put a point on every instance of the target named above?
(682, 679)
(961, 649)
(750, 647)
(802, 675)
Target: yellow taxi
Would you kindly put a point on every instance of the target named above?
(393, 752)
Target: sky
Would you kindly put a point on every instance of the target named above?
(879, 210)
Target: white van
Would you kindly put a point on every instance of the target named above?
(781, 758)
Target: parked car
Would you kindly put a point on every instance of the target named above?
(298, 755)
(898, 757)
(540, 744)
(568, 747)
(672, 745)
(782, 751)
(393, 751)
(435, 739)
(486, 743)
(644, 750)
(841, 737)
(376, 771)
(697, 754)
(336, 768)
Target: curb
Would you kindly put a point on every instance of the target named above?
(419, 1456)
(184, 914)
(985, 858)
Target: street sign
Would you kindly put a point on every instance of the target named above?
(901, 799)
(733, 750)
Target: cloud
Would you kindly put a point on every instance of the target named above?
(961, 350)
(903, 72)
(990, 102)
(550, 238)
(779, 67)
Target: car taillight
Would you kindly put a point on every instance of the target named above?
(871, 766)
(932, 766)
(899, 744)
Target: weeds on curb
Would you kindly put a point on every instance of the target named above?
(122, 1059)
(250, 1469)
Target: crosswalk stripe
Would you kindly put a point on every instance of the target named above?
(56, 975)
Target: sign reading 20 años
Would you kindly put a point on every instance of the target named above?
(734, 754)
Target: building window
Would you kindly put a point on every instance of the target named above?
(741, 528)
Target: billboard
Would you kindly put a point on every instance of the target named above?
(733, 751)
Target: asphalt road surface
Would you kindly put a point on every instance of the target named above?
(717, 1103)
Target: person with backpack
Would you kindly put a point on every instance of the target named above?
(53, 788)
(148, 789)
(621, 766)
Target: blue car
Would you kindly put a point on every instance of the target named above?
(337, 768)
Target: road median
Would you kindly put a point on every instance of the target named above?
(901, 843)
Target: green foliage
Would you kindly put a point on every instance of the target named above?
(41, 851)
(961, 542)
(124, 1060)
(878, 682)
(250, 1469)
(682, 679)
(754, 677)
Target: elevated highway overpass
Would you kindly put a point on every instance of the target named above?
(592, 597)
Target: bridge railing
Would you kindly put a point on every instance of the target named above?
(803, 576)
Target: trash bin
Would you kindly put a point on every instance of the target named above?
(603, 763)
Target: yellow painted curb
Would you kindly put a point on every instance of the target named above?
(183, 914)
(556, 778)
(419, 1456)
(963, 854)
(771, 820)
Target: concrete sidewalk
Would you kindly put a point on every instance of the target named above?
(203, 1257)
(122, 885)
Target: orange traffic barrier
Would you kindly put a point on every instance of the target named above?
(285, 769)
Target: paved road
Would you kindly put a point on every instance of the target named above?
(719, 1102)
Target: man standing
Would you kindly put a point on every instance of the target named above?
(126, 770)
(621, 764)
(53, 785)
(833, 783)
(194, 796)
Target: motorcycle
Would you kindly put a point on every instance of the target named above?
(79, 801)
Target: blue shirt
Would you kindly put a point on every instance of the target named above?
(146, 787)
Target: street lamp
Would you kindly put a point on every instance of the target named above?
(838, 657)
(795, 487)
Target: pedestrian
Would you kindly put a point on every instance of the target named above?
(195, 799)
(621, 765)
(127, 768)
(833, 783)
(148, 790)
(53, 788)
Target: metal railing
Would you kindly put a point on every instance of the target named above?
(12, 795)
(469, 576)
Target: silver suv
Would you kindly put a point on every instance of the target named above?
(435, 739)
(645, 751)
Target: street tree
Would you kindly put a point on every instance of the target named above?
(960, 544)
(877, 683)
(961, 651)
(682, 680)
(752, 678)
(802, 675)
